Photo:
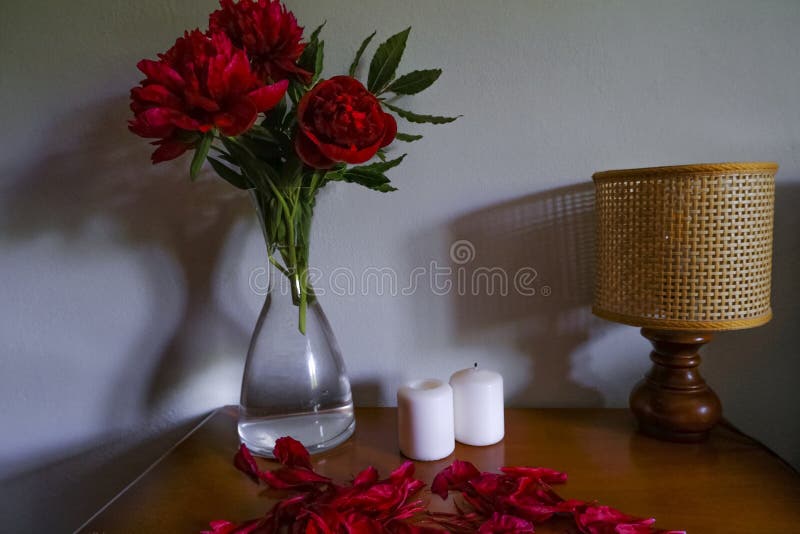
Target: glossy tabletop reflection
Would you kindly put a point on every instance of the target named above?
(729, 484)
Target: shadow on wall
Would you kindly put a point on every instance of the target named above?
(529, 263)
(756, 371)
(367, 390)
(106, 174)
(109, 174)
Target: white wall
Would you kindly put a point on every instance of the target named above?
(126, 305)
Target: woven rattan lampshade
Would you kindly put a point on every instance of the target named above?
(686, 247)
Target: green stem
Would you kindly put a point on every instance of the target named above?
(313, 185)
(303, 301)
(294, 269)
(296, 273)
(278, 266)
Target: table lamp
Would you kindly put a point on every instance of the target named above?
(683, 252)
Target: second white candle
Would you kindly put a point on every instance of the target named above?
(478, 406)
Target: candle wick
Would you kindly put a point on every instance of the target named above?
(476, 365)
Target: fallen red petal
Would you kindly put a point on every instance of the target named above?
(367, 476)
(245, 463)
(454, 477)
(550, 476)
(291, 452)
(505, 524)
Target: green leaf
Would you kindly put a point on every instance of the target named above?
(263, 134)
(385, 61)
(254, 169)
(304, 216)
(380, 167)
(312, 57)
(332, 175)
(414, 82)
(320, 58)
(200, 154)
(267, 142)
(273, 220)
(359, 53)
(290, 171)
(408, 138)
(230, 145)
(289, 120)
(315, 33)
(413, 117)
(274, 117)
(228, 174)
(295, 92)
(267, 151)
(370, 179)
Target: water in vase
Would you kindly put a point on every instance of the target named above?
(294, 384)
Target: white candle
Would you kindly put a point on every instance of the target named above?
(425, 420)
(478, 406)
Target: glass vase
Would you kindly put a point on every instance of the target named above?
(295, 384)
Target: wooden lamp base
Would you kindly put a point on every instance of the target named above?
(673, 402)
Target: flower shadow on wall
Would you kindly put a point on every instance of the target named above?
(526, 267)
(103, 173)
(107, 175)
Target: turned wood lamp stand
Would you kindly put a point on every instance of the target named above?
(673, 402)
(683, 252)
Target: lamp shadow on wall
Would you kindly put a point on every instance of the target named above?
(755, 371)
(529, 263)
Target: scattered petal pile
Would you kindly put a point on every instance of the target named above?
(317, 505)
(520, 498)
(512, 502)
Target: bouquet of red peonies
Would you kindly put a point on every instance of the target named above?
(248, 97)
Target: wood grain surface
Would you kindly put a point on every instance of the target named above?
(729, 484)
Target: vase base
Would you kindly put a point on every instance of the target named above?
(317, 431)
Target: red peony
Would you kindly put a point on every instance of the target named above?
(341, 121)
(268, 32)
(199, 84)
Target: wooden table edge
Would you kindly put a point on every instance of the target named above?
(152, 466)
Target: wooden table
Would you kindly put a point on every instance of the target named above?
(730, 484)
